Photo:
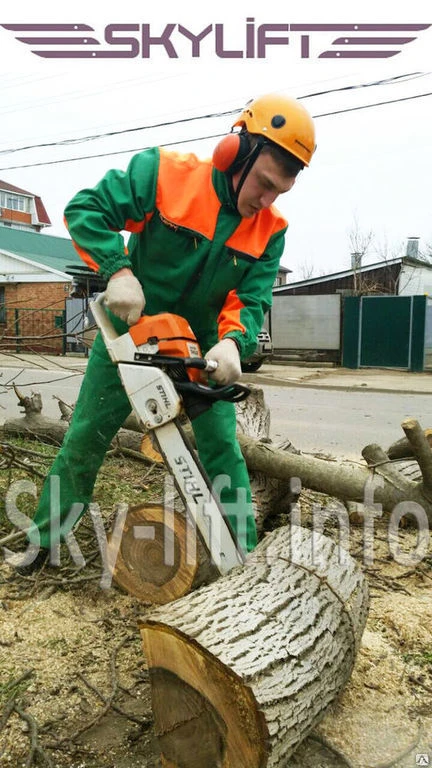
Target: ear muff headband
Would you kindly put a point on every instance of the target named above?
(231, 152)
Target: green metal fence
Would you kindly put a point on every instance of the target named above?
(384, 332)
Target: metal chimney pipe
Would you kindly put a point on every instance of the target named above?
(412, 247)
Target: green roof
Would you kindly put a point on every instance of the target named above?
(46, 250)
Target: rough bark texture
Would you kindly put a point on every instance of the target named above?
(270, 495)
(249, 664)
(345, 481)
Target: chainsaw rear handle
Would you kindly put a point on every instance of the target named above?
(109, 334)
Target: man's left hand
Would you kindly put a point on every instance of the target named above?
(227, 356)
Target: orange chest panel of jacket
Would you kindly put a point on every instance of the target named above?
(186, 198)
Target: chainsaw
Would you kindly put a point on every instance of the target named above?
(163, 373)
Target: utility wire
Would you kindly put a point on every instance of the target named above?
(377, 104)
(109, 154)
(204, 138)
(66, 142)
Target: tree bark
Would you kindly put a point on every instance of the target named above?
(243, 669)
(270, 495)
(402, 449)
(345, 481)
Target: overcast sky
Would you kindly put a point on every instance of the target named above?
(373, 167)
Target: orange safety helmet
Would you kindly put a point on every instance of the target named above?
(282, 120)
(279, 119)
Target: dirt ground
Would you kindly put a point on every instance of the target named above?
(74, 691)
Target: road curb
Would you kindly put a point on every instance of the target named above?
(276, 382)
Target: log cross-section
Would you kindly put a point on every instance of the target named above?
(207, 715)
(152, 561)
(161, 556)
(248, 665)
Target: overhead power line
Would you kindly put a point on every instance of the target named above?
(396, 79)
(204, 138)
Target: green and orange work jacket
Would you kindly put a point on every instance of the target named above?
(189, 247)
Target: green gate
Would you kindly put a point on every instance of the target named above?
(384, 332)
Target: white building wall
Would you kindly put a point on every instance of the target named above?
(11, 266)
(306, 322)
(15, 269)
(415, 281)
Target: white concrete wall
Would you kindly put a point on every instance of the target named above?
(415, 281)
(306, 322)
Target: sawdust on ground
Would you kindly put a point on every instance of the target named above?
(84, 682)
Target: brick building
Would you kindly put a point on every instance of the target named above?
(36, 279)
(38, 272)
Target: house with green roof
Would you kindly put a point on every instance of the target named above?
(38, 274)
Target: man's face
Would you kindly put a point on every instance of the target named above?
(264, 183)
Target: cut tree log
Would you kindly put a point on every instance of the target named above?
(171, 560)
(270, 495)
(159, 558)
(243, 669)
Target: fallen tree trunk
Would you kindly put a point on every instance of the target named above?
(53, 432)
(277, 474)
(270, 495)
(243, 669)
(34, 424)
(348, 481)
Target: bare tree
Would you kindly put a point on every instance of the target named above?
(386, 252)
(307, 270)
(360, 241)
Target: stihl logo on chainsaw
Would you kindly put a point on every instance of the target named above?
(166, 401)
(190, 484)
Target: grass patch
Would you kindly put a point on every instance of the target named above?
(120, 480)
(14, 687)
(422, 659)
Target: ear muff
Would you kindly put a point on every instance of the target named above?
(231, 152)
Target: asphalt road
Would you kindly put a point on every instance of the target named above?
(63, 384)
(342, 423)
(315, 420)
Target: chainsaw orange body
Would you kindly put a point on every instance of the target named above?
(173, 336)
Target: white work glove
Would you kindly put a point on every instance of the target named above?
(124, 297)
(227, 356)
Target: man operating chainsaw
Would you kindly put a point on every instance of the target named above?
(205, 244)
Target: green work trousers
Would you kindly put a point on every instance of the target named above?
(101, 409)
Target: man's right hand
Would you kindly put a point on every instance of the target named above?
(124, 296)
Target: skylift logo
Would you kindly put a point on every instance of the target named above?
(129, 41)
